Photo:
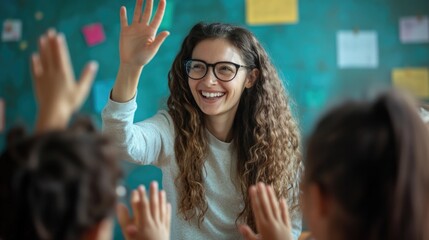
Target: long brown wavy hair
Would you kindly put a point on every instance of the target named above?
(372, 159)
(267, 148)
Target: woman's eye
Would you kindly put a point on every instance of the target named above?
(198, 67)
(225, 69)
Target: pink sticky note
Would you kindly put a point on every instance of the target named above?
(94, 34)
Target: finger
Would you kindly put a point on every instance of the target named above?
(50, 48)
(64, 54)
(159, 40)
(247, 232)
(43, 52)
(123, 17)
(36, 67)
(256, 208)
(162, 206)
(274, 203)
(146, 214)
(124, 218)
(154, 201)
(57, 51)
(168, 217)
(264, 201)
(147, 12)
(137, 11)
(159, 14)
(285, 212)
(136, 207)
(36, 72)
(85, 82)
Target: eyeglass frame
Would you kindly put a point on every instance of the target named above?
(213, 65)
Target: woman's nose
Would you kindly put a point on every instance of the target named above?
(210, 76)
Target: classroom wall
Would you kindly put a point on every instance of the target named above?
(304, 53)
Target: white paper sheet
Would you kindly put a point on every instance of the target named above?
(357, 49)
(414, 29)
(11, 30)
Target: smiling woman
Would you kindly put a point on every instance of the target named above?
(218, 93)
(226, 128)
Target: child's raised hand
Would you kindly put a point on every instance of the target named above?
(138, 41)
(57, 92)
(271, 216)
(151, 217)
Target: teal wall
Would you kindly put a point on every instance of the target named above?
(304, 53)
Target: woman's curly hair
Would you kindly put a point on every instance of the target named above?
(266, 136)
(56, 185)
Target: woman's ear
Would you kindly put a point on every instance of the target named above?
(251, 78)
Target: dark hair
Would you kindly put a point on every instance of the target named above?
(56, 185)
(372, 158)
(265, 134)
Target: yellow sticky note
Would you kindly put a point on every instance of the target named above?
(413, 80)
(259, 12)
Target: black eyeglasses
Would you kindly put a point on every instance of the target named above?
(224, 71)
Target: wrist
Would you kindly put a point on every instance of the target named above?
(52, 119)
(126, 82)
(130, 68)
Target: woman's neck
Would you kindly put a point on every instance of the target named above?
(220, 127)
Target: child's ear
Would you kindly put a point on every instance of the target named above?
(252, 77)
(321, 201)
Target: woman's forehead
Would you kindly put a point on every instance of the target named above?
(215, 50)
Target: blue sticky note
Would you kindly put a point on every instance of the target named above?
(101, 92)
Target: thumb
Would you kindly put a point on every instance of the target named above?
(247, 232)
(85, 82)
(160, 39)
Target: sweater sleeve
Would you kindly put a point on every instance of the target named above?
(140, 142)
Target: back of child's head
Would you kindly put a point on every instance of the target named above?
(56, 185)
(372, 159)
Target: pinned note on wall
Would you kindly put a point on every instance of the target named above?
(12, 30)
(413, 80)
(94, 34)
(101, 91)
(2, 115)
(357, 49)
(262, 12)
(414, 29)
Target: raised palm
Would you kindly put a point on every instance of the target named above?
(138, 41)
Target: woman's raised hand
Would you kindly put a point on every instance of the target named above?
(138, 40)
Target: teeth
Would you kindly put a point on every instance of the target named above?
(212, 95)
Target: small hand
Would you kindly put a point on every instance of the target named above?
(271, 216)
(138, 42)
(57, 93)
(151, 217)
